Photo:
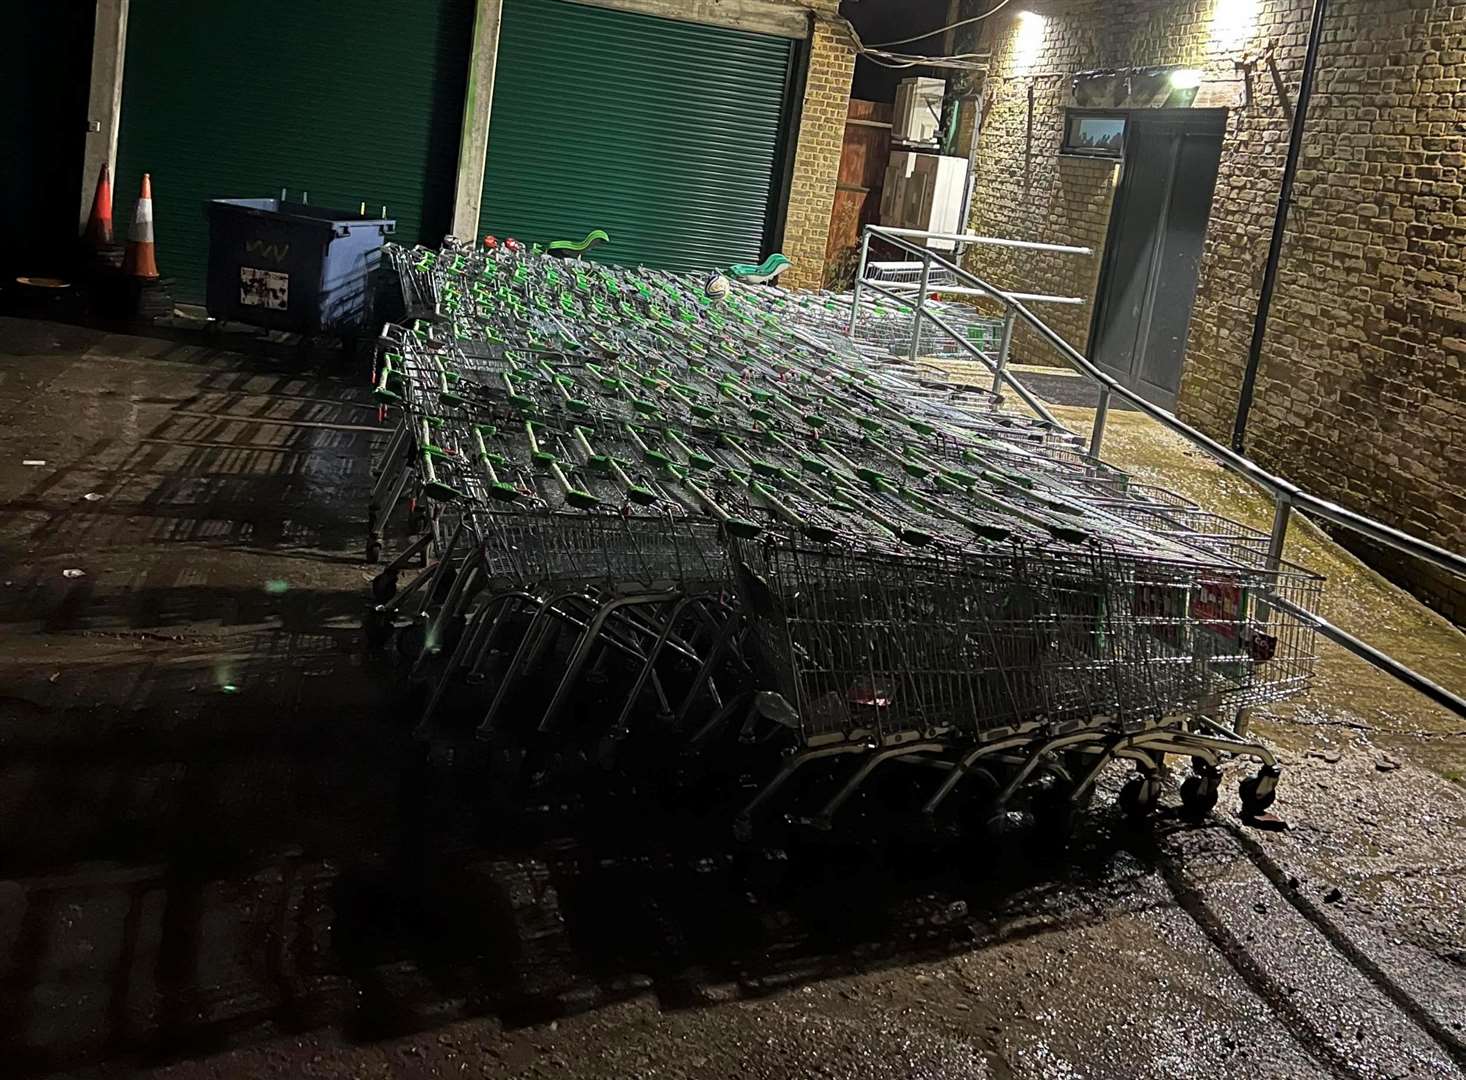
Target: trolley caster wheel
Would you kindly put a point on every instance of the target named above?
(1258, 792)
(377, 628)
(1139, 796)
(384, 587)
(1198, 796)
(374, 551)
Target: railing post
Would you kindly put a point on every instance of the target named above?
(1101, 414)
(1003, 346)
(859, 280)
(926, 269)
(1282, 515)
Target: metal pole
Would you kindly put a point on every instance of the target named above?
(974, 240)
(859, 281)
(1003, 347)
(971, 350)
(1101, 414)
(1229, 459)
(104, 100)
(1282, 514)
(1386, 663)
(1280, 225)
(926, 269)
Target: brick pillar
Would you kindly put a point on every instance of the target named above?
(817, 157)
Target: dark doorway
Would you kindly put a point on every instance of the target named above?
(1148, 279)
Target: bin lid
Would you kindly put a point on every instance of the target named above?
(296, 212)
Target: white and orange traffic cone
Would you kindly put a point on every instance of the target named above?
(99, 223)
(142, 257)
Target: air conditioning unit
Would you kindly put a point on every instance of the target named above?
(917, 115)
(924, 191)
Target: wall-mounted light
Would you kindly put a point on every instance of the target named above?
(1028, 39)
(1185, 79)
(1232, 23)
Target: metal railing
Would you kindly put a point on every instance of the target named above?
(1287, 497)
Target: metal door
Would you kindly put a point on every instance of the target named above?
(669, 135)
(349, 102)
(1148, 280)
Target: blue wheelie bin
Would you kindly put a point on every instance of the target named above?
(291, 266)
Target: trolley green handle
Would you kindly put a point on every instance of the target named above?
(538, 455)
(783, 513)
(576, 497)
(932, 506)
(758, 465)
(518, 400)
(738, 526)
(652, 457)
(497, 488)
(637, 493)
(808, 462)
(432, 486)
(383, 389)
(694, 458)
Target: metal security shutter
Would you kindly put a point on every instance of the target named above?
(668, 135)
(349, 100)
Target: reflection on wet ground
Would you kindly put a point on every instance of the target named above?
(217, 840)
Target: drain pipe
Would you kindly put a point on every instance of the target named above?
(1280, 225)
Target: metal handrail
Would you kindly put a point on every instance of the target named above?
(1001, 375)
(1286, 495)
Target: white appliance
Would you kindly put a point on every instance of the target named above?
(924, 191)
(918, 111)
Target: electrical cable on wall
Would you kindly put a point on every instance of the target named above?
(942, 30)
(972, 61)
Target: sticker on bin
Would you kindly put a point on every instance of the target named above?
(264, 288)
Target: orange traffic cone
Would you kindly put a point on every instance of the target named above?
(142, 260)
(98, 234)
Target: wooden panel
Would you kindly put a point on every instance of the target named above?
(863, 158)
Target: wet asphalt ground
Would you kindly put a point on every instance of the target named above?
(220, 854)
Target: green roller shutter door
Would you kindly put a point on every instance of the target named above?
(668, 135)
(349, 101)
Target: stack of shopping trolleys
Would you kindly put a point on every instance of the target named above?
(716, 546)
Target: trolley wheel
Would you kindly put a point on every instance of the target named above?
(1139, 796)
(1258, 792)
(384, 586)
(377, 628)
(374, 551)
(1198, 796)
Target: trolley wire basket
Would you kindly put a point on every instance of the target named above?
(668, 526)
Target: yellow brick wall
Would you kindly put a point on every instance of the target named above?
(1023, 190)
(817, 154)
(1362, 390)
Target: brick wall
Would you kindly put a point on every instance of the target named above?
(817, 154)
(1022, 188)
(1362, 390)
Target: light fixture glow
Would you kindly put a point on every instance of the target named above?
(1232, 23)
(1028, 39)
(1185, 79)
